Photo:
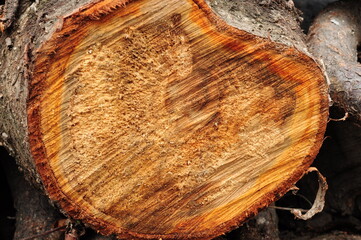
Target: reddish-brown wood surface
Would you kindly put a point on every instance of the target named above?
(153, 119)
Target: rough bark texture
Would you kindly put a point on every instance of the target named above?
(334, 39)
(7, 14)
(278, 20)
(38, 21)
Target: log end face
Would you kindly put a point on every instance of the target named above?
(152, 122)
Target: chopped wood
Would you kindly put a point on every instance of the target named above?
(151, 119)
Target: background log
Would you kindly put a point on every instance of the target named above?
(310, 9)
(34, 214)
(334, 39)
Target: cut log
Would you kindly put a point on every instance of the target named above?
(334, 39)
(161, 119)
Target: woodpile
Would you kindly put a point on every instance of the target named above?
(177, 119)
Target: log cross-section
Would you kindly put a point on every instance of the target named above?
(157, 119)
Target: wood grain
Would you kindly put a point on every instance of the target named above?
(155, 119)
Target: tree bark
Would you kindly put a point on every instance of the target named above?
(150, 121)
(334, 39)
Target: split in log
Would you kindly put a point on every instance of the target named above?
(158, 119)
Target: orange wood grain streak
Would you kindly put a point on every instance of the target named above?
(73, 28)
(46, 55)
